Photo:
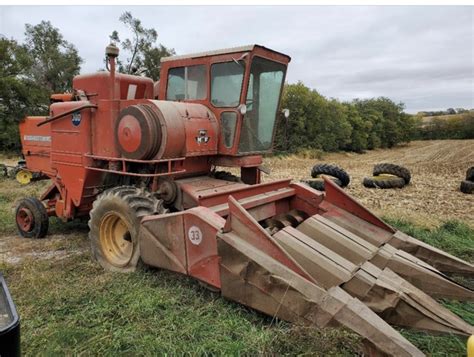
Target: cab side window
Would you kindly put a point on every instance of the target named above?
(187, 83)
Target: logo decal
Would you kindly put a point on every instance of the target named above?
(76, 118)
(195, 235)
(202, 137)
(37, 138)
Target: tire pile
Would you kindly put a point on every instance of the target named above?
(388, 176)
(385, 176)
(467, 186)
(338, 175)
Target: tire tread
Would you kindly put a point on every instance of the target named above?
(393, 169)
(331, 170)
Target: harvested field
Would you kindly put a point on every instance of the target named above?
(433, 195)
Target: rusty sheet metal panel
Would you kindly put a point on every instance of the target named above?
(367, 231)
(253, 278)
(242, 223)
(200, 228)
(240, 161)
(378, 234)
(306, 199)
(336, 195)
(421, 274)
(439, 259)
(396, 300)
(207, 191)
(357, 251)
(36, 144)
(184, 242)
(257, 201)
(190, 129)
(71, 137)
(346, 244)
(326, 267)
(203, 188)
(402, 304)
(161, 240)
(99, 84)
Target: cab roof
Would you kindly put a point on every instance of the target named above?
(222, 51)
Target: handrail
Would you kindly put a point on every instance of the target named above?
(63, 114)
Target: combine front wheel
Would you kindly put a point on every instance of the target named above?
(31, 218)
(114, 223)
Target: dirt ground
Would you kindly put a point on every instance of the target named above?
(433, 195)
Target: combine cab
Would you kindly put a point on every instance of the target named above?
(140, 159)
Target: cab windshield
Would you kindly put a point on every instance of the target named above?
(263, 95)
(226, 83)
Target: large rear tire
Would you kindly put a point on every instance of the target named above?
(114, 223)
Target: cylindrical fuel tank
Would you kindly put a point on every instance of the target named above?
(156, 129)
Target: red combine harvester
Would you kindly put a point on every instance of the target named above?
(140, 161)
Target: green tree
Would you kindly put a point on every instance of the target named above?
(142, 55)
(315, 122)
(360, 129)
(19, 95)
(292, 132)
(389, 124)
(55, 61)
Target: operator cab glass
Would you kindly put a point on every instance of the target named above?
(263, 95)
(187, 83)
(226, 83)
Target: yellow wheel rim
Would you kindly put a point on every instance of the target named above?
(115, 239)
(24, 177)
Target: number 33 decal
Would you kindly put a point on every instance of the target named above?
(195, 235)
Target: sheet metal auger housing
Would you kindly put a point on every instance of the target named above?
(140, 159)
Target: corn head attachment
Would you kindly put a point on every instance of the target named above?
(299, 255)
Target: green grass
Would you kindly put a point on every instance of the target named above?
(456, 238)
(72, 306)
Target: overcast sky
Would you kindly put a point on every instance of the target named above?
(422, 56)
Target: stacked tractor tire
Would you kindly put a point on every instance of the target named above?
(338, 175)
(385, 176)
(388, 176)
(467, 185)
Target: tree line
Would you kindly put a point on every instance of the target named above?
(326, 124)
(449, 111)
(458, 126)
